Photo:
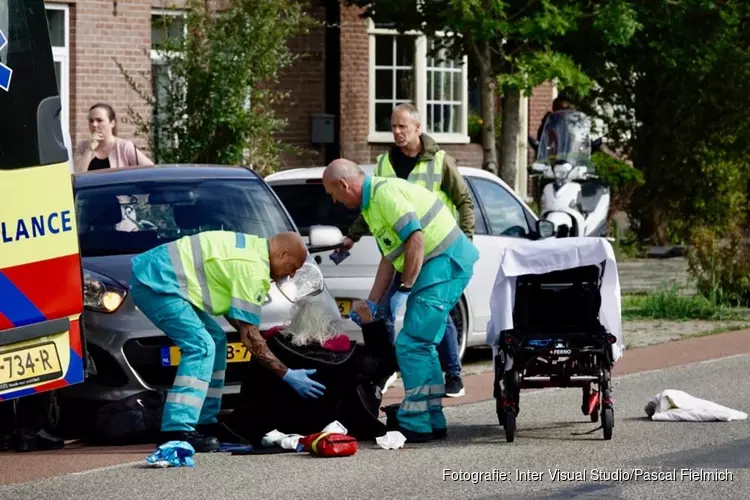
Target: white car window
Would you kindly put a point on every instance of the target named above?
(480, 227)
(505, 216)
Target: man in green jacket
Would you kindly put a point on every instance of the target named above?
(417, 158)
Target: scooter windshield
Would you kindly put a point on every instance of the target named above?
(566, 138)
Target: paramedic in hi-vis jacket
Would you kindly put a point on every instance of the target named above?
(418, 236)
(180, 285)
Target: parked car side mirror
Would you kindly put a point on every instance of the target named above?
(323, 238)
(545, 229)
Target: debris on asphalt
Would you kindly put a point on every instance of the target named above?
(392, 440)
(172, 454)
(675, 406)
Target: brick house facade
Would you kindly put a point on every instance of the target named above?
(352, 72)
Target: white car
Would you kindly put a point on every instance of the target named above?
(501, 217)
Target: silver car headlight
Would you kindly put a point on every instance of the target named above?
(307, 281)
(100, 293)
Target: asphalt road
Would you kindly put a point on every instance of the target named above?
(476, 444)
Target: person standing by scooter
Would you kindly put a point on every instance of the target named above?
(417, 158)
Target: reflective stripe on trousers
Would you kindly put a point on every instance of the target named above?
(419, 399)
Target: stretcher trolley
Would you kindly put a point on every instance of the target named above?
(556, 322)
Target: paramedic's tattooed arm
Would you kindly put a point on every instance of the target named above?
(255, 342)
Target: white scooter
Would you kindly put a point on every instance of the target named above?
(577, 202)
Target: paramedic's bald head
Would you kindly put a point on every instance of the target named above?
(287, 253)
(343, 180)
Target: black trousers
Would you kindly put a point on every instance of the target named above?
(27, 413)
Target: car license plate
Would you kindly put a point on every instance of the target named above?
(236, 353)
(29, 365)
(345, 307)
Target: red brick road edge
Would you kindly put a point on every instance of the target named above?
(21, 467)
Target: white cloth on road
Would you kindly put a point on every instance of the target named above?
(674, 406)
(555, 254)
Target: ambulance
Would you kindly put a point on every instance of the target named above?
(41, 296)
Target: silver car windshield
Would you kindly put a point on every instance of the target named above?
(135, 217)
(566, 138)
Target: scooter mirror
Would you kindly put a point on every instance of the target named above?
(545, 229)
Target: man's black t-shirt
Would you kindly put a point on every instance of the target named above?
(402, 164)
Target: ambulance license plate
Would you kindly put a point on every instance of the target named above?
(236, 353)
(29, 365)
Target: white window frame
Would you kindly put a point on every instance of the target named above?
(157, 57)
(61, 55)
(420, 80)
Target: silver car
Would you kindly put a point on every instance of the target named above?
(123, 212)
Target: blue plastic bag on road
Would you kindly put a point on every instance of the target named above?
(172, 454)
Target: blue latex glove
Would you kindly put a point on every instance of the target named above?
(172, 454)
(373, 311)
(397, 302)
(305, 387)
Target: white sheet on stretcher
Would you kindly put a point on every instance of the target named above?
(555, 254)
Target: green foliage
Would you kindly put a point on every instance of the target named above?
(475, 126)
(627, 245)
(720, 264)
(674, 100)
(621, 178)
(218, 104)
(668, 303)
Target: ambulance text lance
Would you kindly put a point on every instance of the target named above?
(35, 226)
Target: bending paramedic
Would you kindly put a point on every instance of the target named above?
(418, 237)
(180, 285)
(417, 158)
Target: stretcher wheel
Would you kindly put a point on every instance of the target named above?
(585, 393)
(500, 412)
(608, 422)
(510, 425)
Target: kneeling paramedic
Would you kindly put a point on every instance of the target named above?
(179, 285)
(418, 237)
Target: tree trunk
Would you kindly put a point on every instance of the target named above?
(510, 135)
(488, 83)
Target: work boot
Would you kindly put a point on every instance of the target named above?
(391, 416)
(199, 442)
(454, 386)
(415, 437)
(440, 433)
(26, 440)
